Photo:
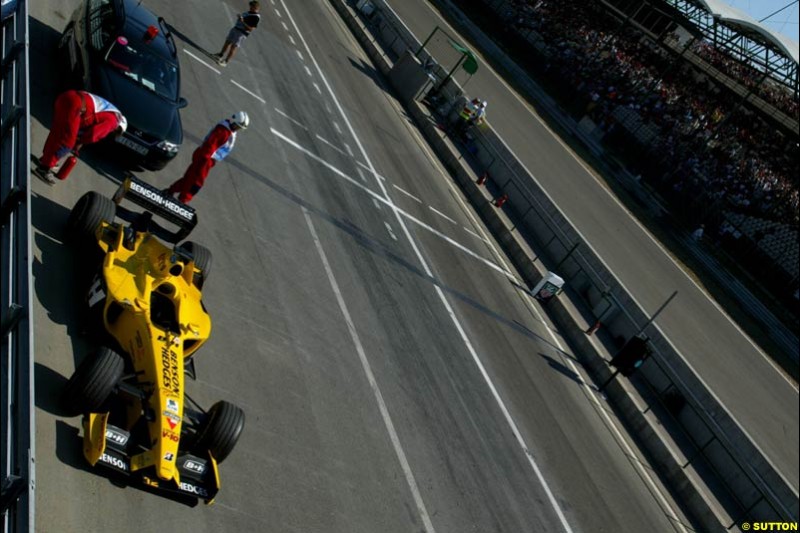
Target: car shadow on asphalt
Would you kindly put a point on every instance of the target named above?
(60, 276)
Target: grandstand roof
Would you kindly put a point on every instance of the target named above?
(744, 23)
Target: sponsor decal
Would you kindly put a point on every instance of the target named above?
(173, 406)
(169, 456)
(170, 369)
(96, 293)
(114, 461)
(171, 435)
(157, 198)
(194, 466)
(194, 489)
(172, 420)
(116, 437)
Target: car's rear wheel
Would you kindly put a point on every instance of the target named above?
(202, 260)
(91, 209)
(220, 431)
(93, 381)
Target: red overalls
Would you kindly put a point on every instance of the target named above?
(202, 161)
(74, 122)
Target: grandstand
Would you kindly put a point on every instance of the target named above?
(699, 98)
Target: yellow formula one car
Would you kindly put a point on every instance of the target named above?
(137, 418)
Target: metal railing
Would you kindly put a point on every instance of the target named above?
(16, 327)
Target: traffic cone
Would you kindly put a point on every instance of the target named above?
(592, 330)
(500, 201)
(67, 167)
(483, 178)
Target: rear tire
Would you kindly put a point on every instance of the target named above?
(202, 260)
(91, 209)
(221, 430)
(93, 382)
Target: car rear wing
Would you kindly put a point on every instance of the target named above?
(157, 202)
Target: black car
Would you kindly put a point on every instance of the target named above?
(119, 50)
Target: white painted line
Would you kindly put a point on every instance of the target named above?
(407, 193)
(373, 383)
(331, 144)
(308, 70)
(389, 229)
(201, 61)
(377, 205)
(285, 27)
(339, 130)
(442, 214)
(248, 91)
(473, 234)
(291, 40)
(290, 118)
(361, 175)
(349, 150)
(272, 2)
(277, 12)
(520, 440)
(365, 167)
(300, 55)
(328, 108)
(320, 92)
(390, 204)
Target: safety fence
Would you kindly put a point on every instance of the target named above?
(712, 445)
(16, 353)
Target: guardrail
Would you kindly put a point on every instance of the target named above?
(16, 327)
(747, 485)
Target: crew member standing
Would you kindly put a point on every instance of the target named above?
(216, 147)
(245, 23)
(79, 118)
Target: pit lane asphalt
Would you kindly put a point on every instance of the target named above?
(737, 372)
(316, 289)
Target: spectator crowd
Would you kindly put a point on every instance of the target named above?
(707, 143)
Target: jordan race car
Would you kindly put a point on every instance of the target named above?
(137, 418)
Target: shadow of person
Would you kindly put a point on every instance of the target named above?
(188, 40)
(558, 367)
(46, 73)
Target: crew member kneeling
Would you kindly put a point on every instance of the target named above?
(79, 118)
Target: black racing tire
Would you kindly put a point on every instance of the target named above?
(221, 430)
(91, 209)
(202, 260)
(94, 380)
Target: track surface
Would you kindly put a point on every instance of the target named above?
(358, 320)
(732, 366)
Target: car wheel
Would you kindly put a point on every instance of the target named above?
(92, 209)
(221, 430)
(202, 260)
(93, 381)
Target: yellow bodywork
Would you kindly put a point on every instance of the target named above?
(154, 311)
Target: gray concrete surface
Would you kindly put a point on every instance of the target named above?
(719, 352)
(316, 454)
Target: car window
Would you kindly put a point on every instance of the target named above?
(101, 23)
(147, 69)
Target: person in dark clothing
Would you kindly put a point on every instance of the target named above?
(245, 23)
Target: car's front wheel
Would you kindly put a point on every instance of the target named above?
(93, 382)
(220, 431)
(202, 260)
(91, 209)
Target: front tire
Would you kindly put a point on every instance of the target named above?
(202, 260)
(91, 209)
(221, 430)
(94, 380)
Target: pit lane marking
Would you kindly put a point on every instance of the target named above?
(196, 58)
(400, 189)
(326, 141)
(300, 55)
(290, 119)
(248, 91)
(308, 71)
(442, 214)
(387, 202)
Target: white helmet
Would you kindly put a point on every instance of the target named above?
(241, 119)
